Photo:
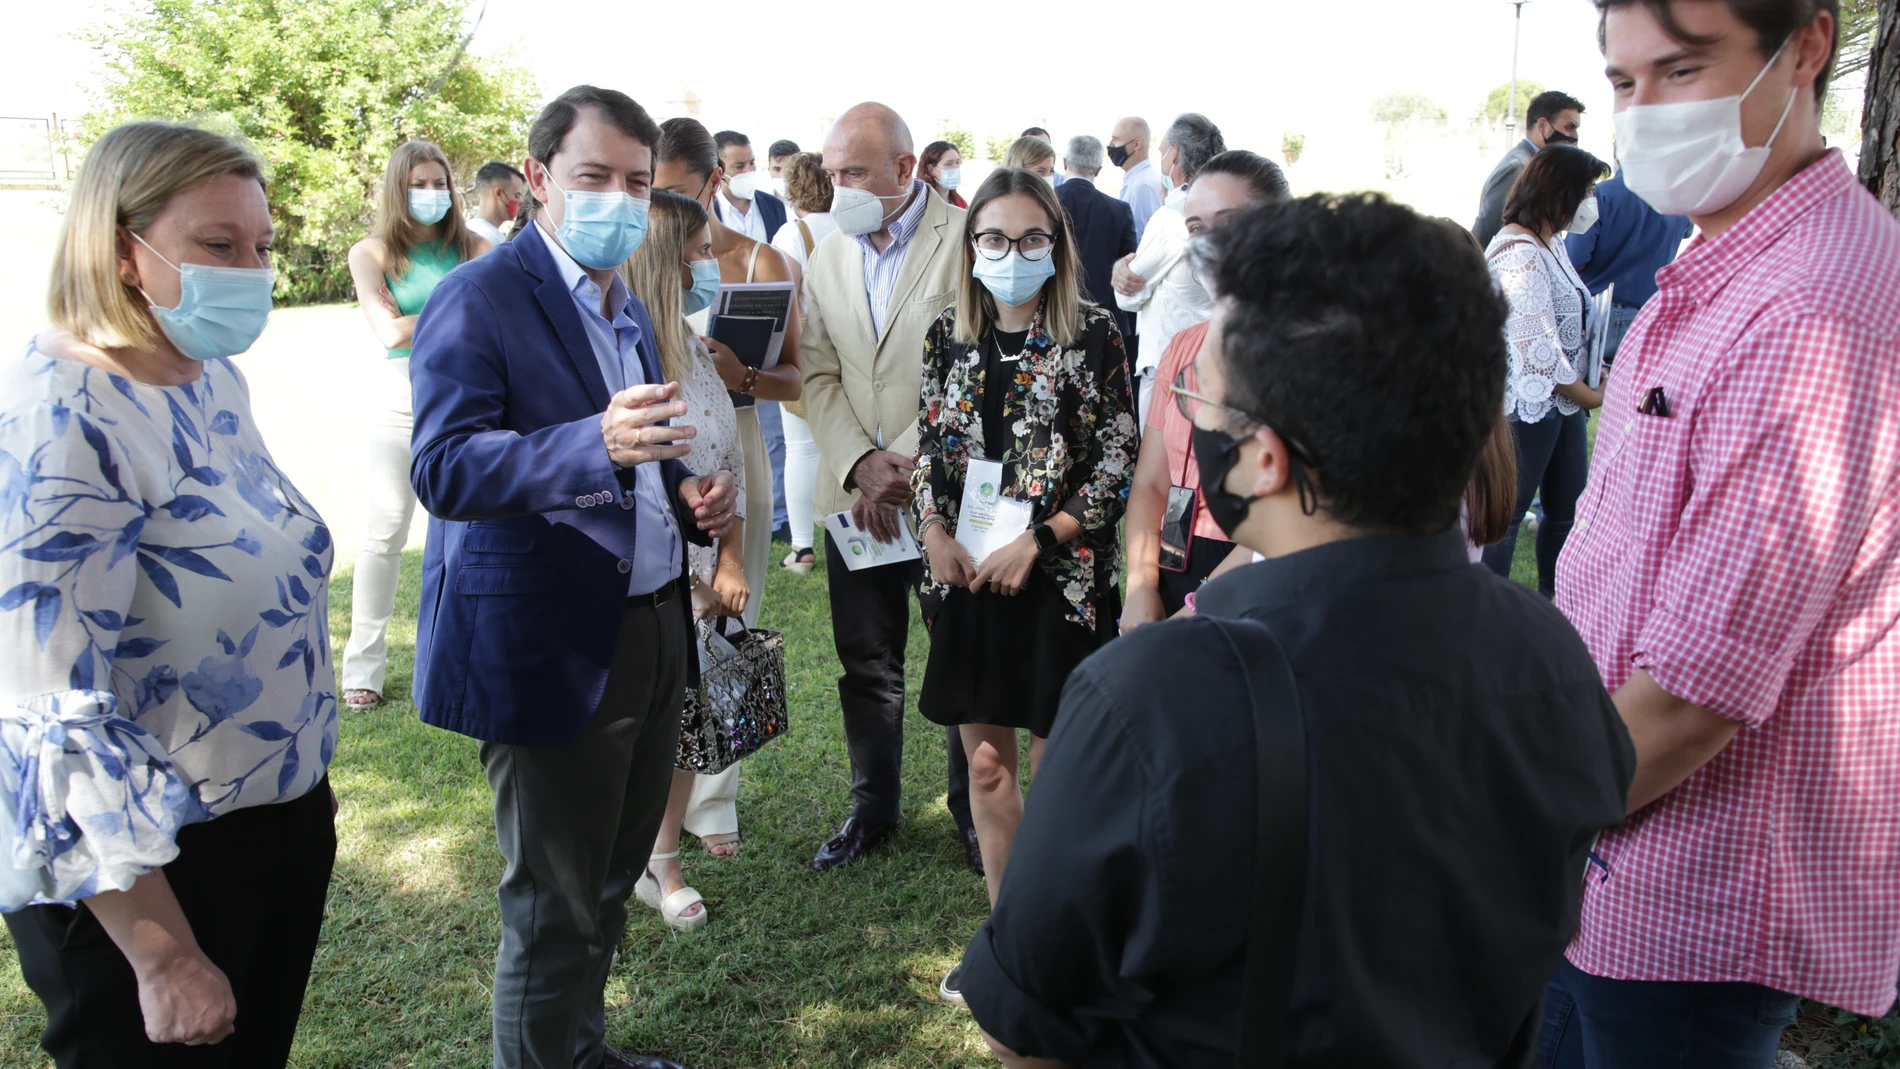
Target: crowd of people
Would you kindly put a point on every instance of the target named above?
(1196, 472)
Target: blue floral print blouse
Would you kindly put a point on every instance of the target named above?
(164, 652)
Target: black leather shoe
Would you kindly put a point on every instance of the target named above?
(619, 1059)
(972, 852)
(854, 840)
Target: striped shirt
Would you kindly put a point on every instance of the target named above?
(1744, 550)
(881, 268)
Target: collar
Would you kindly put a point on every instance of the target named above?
(905, 226)
(1708, 265)
(576, 278)
(1527, 143)
(1324, 571)
(1176, 199)
(1147, 164)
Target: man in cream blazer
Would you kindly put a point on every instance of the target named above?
(871, 293)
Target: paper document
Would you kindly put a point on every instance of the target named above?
(1597, 341)
(987, 521)
(776, 301)
(861, 551)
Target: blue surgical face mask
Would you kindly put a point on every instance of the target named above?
(948, 177)
(428, 206)
(221, 310)
(705, 288)
(1013, 280)
(600, 230)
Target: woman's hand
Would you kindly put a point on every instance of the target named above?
(731, 369)
(1582, 394)
(705, 600)
(186, 999)
(1007, 570)
(730, 585)
(1143, 607)
(949, 562)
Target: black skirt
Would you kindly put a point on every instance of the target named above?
(1002, 659)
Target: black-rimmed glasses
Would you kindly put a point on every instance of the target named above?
(994, 244)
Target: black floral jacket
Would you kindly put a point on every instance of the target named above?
(1072, 446)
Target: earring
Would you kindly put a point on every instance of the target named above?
(128, 279)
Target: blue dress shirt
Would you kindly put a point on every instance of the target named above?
(1629, 244)
(656, 561)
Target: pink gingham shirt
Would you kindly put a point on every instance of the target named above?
(1746, 553)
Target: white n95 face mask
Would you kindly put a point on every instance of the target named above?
(743, 186)
(860, 211)
(1586, 216)
(1690, 159)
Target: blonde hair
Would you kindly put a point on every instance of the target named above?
(1062, 300)
(127, 178)
(653, 274)
(1028, 152)
(397, 229)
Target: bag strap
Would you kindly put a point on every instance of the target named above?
(804, 231)
(1280, 842)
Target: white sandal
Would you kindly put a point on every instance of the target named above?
(673, 906)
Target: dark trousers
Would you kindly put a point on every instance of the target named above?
(870, 623)
(1595, 1023)
(1553, 455)
(252, 886)
(575, 824)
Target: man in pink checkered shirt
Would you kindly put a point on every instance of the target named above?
(1735, 566)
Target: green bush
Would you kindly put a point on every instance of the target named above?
(964, 140)
(325, 90)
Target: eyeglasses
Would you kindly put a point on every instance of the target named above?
(1189, 401)
(994, 244)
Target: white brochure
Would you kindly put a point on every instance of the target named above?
(988, 521)
(861, 551)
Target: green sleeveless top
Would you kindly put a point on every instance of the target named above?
(429, 263)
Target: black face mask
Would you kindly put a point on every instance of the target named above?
(1558, 137)
(1215, 454)
(1118, 154)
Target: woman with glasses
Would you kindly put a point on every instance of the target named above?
(1024, 373)
(419, 238)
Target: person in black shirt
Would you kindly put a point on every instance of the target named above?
(1461, 753)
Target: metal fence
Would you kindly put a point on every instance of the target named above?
(33, 152)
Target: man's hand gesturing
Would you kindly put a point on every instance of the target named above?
(883, 481)
(632, 426)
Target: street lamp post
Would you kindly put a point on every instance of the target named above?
(1517, 30)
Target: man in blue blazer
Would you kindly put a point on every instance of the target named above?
(555, 624)
(1104, 229)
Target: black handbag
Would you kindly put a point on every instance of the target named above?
(1280, 843)
(740, 703)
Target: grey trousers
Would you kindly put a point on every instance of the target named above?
(575, 824)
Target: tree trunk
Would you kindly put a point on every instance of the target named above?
(1880, 139)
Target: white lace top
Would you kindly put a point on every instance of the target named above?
(716, 447)
(1545, 330)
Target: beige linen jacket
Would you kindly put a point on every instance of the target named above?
(858, 384)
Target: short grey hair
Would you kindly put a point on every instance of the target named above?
(1196, 140)
(1085, 155)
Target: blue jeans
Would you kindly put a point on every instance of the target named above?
(772, 425)
(1594, 1023)
(1621, 316)
(1553, 455)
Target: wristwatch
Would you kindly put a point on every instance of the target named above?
(1045, 537)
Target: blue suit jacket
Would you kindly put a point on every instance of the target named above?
(1104, 229)
(771, 209)
(523, 585)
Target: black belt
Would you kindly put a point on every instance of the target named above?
(656, 599)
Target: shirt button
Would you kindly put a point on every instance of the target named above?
(626, 500)
(880, 387)
(580, 502)
(625, 566)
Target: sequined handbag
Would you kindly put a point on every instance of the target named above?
(740, 702)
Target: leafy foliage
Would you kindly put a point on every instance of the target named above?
(1494, 104)
(325, 90)
(1396, 108)
(996, 146)
(964, 140)
(1292, 147)
(1859, 20)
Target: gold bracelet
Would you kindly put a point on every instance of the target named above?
(731, 564)
(751, 379)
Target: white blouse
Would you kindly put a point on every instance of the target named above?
(791, 242)
(716, 447)
(1545, 330)
(164, 643)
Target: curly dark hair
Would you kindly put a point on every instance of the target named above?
(1372, 340)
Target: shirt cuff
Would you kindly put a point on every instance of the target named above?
(1016, 1018)
(1731, 679)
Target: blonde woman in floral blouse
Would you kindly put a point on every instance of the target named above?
(1021, 370)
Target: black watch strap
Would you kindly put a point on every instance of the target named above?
(1045, 537)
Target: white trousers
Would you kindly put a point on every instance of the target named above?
(392, 504)
(801, 479)
(713, 807)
